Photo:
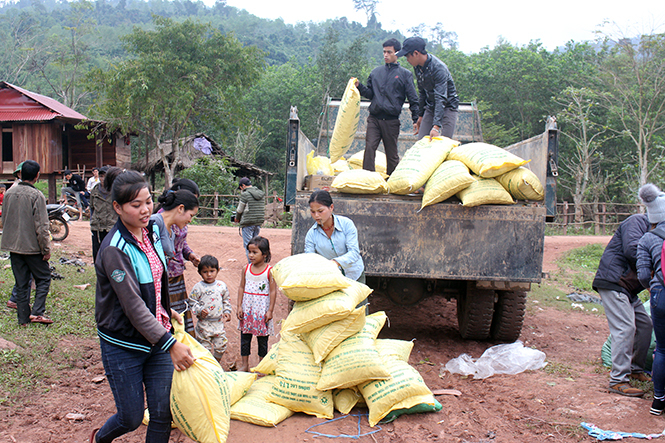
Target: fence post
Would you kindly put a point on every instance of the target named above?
(604, 216)
(215, 206)
(565, 218)
(596, 219)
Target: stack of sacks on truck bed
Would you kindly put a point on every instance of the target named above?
(380, 162)
(329, 354)
(360, 181)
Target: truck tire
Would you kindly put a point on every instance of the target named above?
(406, 291)
(508, 316)
(475, 310)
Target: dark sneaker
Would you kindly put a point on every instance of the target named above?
(639, 376)
(657, 407)
(626, 389)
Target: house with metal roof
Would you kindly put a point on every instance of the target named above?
(37, 127)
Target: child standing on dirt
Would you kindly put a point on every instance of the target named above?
(210, 302)
(256, 300)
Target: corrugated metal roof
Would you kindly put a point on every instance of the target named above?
(13, 110)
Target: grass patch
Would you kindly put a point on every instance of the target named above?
(560, 370)
(40, 354)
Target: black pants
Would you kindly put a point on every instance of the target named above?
(377, 130)
(246, 344)
(97, 238)
(22, 266)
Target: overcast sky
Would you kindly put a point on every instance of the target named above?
(481, 23)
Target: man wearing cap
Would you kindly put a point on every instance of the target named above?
(438, 97)
(630, 326)
(387, 87)
(26, 236)
(251, 212)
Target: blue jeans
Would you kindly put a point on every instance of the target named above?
(128, 373)
(658, 319)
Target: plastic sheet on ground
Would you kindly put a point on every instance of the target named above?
(584, 298)
(510, 358)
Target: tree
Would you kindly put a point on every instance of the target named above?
(181, 72)
(633, 76)
(368, 7)
(436, 35)
(20, 43)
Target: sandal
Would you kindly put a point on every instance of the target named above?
(626, 389)
(40, 319)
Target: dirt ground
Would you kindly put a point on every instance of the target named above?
(528, 407)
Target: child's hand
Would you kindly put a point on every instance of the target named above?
(268, 316)
(203, 314)
(239, 315)
(227, 317)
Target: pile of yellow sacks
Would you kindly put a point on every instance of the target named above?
(329, 356)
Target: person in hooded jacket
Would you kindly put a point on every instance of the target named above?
(102, 214)
(630, 326)
(251, 212)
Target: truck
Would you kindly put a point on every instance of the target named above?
(486, 257)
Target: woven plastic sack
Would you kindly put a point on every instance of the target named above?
(345, 399)
(312, 314)
(346, 123)
(319, 165)
(449, 178)
(425, 403)
(522, 184)
(484, 191)
(392, 348)
(486, 160)
(419, 163)
(256, 409)
(360, 181)
(305, 277)
(324, 339)
(403, 390)
(380, 161)
(268, 364)
(296, 378)
(200, 399)
(356, 359)
(239, 383)
(340, 165)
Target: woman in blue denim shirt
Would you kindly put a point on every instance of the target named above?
(650, 274)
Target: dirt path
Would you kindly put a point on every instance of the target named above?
(528, 407)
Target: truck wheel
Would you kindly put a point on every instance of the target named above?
(406, 291)
(475, 310)
(508, 316)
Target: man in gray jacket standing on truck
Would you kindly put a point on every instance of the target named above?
(387, 87)
(630, 325)
(438, 97)
(251, 212)
(26, 236)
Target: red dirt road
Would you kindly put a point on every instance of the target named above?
(528, 407)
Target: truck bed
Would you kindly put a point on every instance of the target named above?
(445, 241)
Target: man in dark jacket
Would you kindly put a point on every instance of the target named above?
(438, 97)
(630, 325)
(76, 187)
(387, 87)
(251, 212)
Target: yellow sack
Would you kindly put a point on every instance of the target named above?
(484, 191)
(324, 339)
(419, 163)
(448, 179)
(380, 161)
(391, 348)
(239, 383)
(486, 160)
(522, 184)
(200, 394)
(254, 407)
(346, 399)
(296, 377)
(404, 389)
(305, 277)
(355, 360)
(346, 123)
(360, 181)
(268, 364)
(340, 165)
(319, 165)
(309, 315)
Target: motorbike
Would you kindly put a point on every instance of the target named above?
(58, 220)
(71, 206)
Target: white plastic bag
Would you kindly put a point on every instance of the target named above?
(510, 358)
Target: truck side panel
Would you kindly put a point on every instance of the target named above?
(444, 241)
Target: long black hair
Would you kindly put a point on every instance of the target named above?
(172, 199)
